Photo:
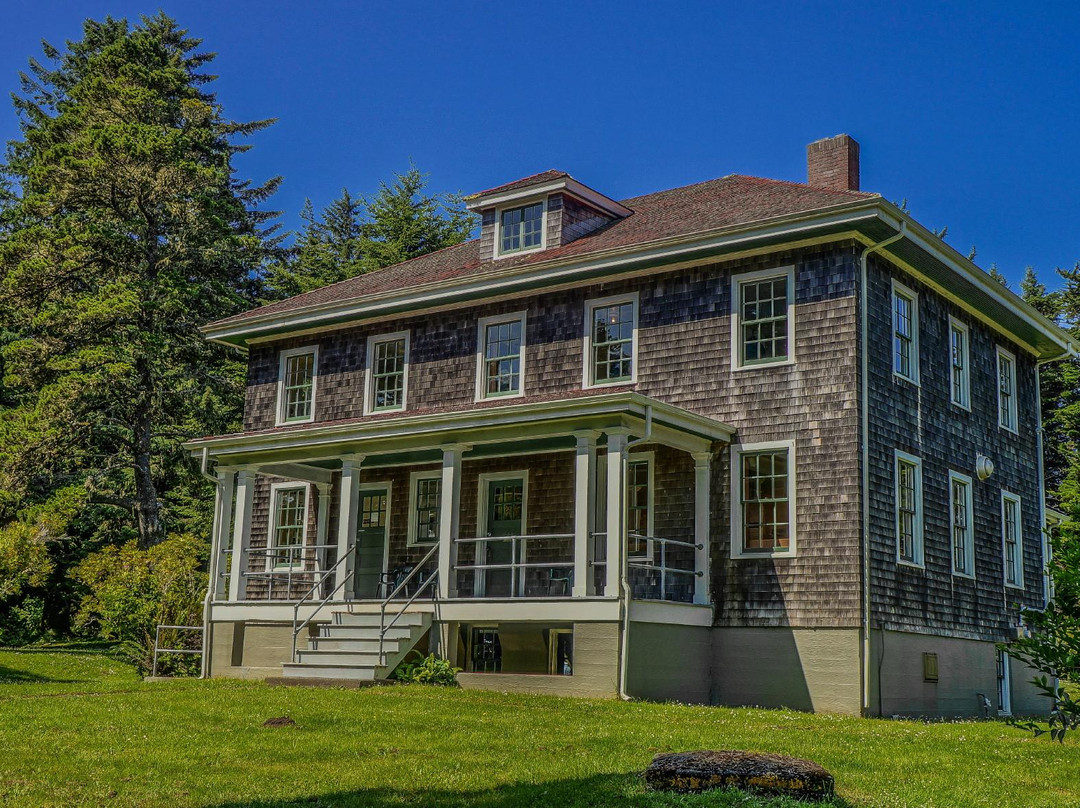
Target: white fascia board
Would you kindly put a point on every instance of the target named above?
(567, 184)
(562, 270)
(626, 403)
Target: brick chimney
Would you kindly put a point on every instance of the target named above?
(833, 163)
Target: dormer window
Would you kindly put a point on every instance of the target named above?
(521, 229)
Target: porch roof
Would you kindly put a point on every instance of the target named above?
(543, 425)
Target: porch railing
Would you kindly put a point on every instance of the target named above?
(296, 570)
(657, 585)
(522, 583)
(402, 586)
(297, 625)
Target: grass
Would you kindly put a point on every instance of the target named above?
(80, 728)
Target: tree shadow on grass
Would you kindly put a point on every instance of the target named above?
(10, 676)
(587, 792)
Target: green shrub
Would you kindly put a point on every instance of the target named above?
(427, 670)
(23, 623)
(130, 592)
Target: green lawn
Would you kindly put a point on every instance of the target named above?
(79, 728)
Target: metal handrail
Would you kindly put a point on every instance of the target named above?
(517, 582)
(383, 627)
(334, 591)
(158, 649)
(663, 568)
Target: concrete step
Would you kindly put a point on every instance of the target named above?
(334, 643)
(364, 632)
(311, 670)
(369, 620)
(338, 657)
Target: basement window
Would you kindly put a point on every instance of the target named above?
(929, 667)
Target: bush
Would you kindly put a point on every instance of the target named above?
(130, 592)
(23, 623)
(427, 670)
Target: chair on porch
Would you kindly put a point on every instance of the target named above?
(561, 577)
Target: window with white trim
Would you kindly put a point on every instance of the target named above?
(425, 497)
(763, 317)
(764, 496)
(387, 372)
(1006, 367)
(639, 505)
(521, 228)
(909, 521)
(960, 525)
(296, 385)
(501, 357)
(288, 524)
(611, 341)
(905, 320)
(1012, 540)
(959, 371)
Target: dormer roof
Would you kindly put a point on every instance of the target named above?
(546, 182)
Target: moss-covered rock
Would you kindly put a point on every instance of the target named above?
(749, 771)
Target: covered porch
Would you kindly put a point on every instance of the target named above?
(489, 511)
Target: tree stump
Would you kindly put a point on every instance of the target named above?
(748, 771)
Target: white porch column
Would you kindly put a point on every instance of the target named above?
(223, 509)
(584, 510)
(245, 495)
(349, 504)
(702, 497)
(322, 528)
(616, 447)
(449, 513)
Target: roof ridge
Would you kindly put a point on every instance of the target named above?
(806, 185)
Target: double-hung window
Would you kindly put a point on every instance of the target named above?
(763, 318)
(288, 523)
(959, 359)
(387, 372)
(521, 229)
(960, 525)
(501, 356)
(424, 499)
(1006, 367)
(909, 521)
(764, 495)
(639, 495)
(611, 341)
(296, 385)
(905, 322)
(1012, 540)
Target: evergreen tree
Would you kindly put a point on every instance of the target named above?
(123, 230)
(995, 273)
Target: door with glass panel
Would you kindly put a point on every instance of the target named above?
(371, 541)
(504, 509)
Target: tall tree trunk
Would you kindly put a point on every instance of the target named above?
(147, 504)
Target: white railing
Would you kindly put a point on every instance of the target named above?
(297, 625)
(662, 567)
(297, 569)
(518, 567)
(403, 587)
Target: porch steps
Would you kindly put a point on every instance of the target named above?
(348, 647)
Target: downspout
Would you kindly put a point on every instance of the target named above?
(623, 584)
(864, 336)
(204, 465)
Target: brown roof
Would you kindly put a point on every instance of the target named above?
(726, 202)
(544, 176)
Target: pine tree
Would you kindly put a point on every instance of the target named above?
(125, 229)
(995, 273)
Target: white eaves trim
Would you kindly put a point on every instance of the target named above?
(568, 184)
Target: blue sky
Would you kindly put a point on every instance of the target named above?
(970, 111)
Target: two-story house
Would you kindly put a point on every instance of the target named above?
(741, 442)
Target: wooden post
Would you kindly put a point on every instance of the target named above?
(702, 492)
(616, 448)
(322, 529)
(349, 504)
(223, 510)
(449, 514)
(245, 495)
(584, 488)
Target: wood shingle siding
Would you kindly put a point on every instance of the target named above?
(922, 421)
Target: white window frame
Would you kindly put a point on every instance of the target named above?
(898, 289)
(918, 528)
(1015, 428)
(965, 376)
(649, 458)
(1008, 496)
(737, 282)
(369, 372)
(1005, 682)
(481, 347)
(271, 538)
(738, 450)
(283, 360)
(483, 490)
(969, 544)
(588, 369)
(414, 479)
(388, 487)
(520, 203)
